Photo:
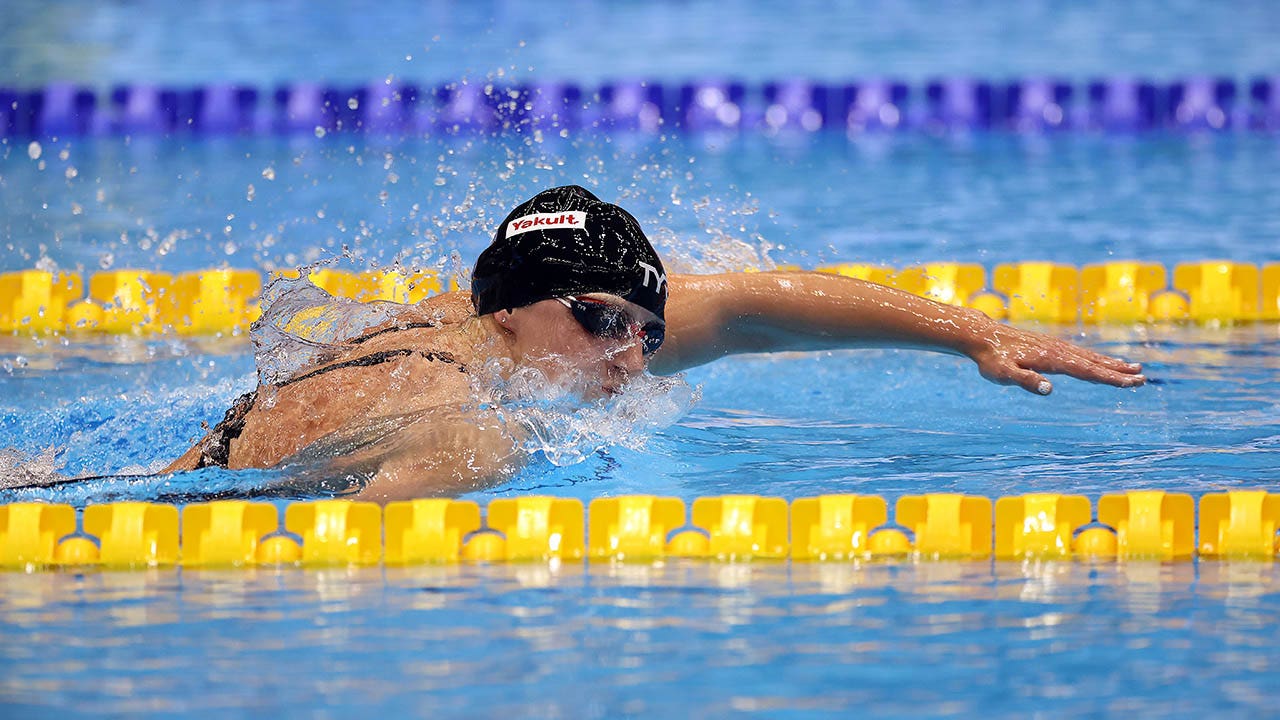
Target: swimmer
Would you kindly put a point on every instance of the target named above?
(571, 288)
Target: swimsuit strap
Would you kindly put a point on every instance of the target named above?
(393, 328)
(376, 359)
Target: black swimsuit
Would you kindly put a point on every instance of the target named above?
(215, 448)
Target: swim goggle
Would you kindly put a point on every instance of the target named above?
(607, 320)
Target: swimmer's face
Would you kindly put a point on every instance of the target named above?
(547, 335)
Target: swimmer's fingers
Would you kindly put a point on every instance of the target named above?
(1095, 373)
(1066, 359)
(1019, 357)
(1106, 361)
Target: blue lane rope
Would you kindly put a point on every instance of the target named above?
(797, 105)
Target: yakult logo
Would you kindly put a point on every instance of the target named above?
(546, 221)
(659, 279)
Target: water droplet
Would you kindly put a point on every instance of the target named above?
(320, 132)
(34, 150)
(353, 103)
(71, 173)
(269, 173)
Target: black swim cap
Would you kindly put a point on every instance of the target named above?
(566, 241)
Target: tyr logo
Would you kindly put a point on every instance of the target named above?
(659, 279)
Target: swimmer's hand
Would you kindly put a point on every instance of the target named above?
(1010, 356)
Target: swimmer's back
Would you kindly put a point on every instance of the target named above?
(415, 363)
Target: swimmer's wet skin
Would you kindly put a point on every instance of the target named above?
(571, 287)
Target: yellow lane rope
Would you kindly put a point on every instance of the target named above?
(1135, 525)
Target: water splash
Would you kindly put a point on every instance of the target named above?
(567, 431)
(302, 326)
(18, 469)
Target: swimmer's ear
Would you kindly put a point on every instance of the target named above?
(502, 316)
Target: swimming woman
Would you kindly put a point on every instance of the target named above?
(572, 289)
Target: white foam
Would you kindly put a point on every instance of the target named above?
(568, 431)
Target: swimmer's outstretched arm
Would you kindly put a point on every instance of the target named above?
(711, 316)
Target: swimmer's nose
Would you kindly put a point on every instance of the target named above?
(628, 361)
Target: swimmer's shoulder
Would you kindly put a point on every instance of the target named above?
(435, 312)
(444, 309)
(451, 307)
(432, 330)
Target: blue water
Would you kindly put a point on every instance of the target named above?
(684, 639)
(265, 42)
(709, 203)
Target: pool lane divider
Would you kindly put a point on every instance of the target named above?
(222, 302)
(1134, 525)
(393, 107)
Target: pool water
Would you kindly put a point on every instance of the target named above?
(678, 639)
(268, 42)
(709, 202)
(690, 639)
(683, 640)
